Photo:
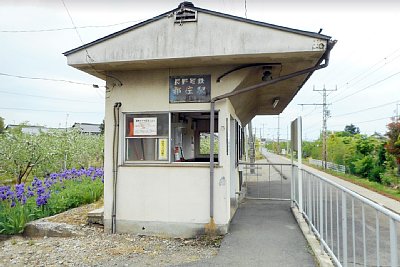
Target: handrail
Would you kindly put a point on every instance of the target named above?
(262, 163)
(358, 196)
(318, 211)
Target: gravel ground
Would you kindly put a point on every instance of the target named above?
(93, 247)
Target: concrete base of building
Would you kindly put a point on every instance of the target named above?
(164, 229)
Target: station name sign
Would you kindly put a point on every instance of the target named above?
(191, 88)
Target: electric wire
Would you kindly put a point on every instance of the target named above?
(367, 87)
(87, 52)
(359, 122)
(245, 8)
(70, 28)
(44, 79)
(49, 97)
(370, 108)
(52, 111)
(72, 22)
(366, 73)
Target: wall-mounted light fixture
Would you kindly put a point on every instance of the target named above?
(267, 73)
(275, 102)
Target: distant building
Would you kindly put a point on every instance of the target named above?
(88, 128)
(28, 129)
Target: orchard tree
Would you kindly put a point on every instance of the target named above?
(20, 153)
(393, 144)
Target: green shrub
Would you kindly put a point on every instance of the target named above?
(50, 196)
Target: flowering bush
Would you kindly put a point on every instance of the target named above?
(44, 197)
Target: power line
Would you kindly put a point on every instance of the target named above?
(359, 122)
(311, 112)
(53, 111)
(49, 97)
(377, 63)
(44, 79)
(72, 21)
(365, 73)
(245, 8)
(365, 88)
(88, 57)
(69, 28)
(361, 110)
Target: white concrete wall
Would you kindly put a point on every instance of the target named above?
(168, 198)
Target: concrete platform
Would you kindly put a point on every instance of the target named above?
(263, 233)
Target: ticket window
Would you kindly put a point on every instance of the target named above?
(147, 137)
(191, 137)
(169, 137)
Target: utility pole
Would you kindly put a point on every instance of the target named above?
(263, 131)
(397, 113)
(325, 115)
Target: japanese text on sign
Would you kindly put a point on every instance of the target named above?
(194, 88)
(145, 126)
(162, 149)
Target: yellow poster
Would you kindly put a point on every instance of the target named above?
(162, 149)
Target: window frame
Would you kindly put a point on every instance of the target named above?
(126, 138)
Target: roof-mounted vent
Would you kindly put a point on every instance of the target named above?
(185, 13)
(185, 4)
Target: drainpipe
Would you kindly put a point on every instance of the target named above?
(325, 57)
(212, 122)
(117, 107)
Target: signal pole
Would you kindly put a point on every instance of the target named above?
(325, 115)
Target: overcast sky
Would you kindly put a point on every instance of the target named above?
(364, 67)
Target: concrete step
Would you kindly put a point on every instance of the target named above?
(96, 216)
(41, 228)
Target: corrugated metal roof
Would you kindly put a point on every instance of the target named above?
(206, 11)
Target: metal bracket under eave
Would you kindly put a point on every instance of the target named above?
(246, 66)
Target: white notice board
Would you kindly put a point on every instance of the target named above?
(145, 126)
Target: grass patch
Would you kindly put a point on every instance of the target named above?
(387, 191)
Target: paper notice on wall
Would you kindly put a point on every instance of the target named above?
(162, 149)
(145, 126)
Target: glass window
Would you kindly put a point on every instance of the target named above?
(205, 144)
(147, 137)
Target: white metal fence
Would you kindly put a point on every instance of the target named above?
(266, 180)
(353, 230)
(329, 165)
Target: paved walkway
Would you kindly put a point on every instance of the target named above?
(263, 233)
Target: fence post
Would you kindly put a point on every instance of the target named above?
(292, 184)
(300, 167)
(321, 214)
(344, 228)
(393, 243)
